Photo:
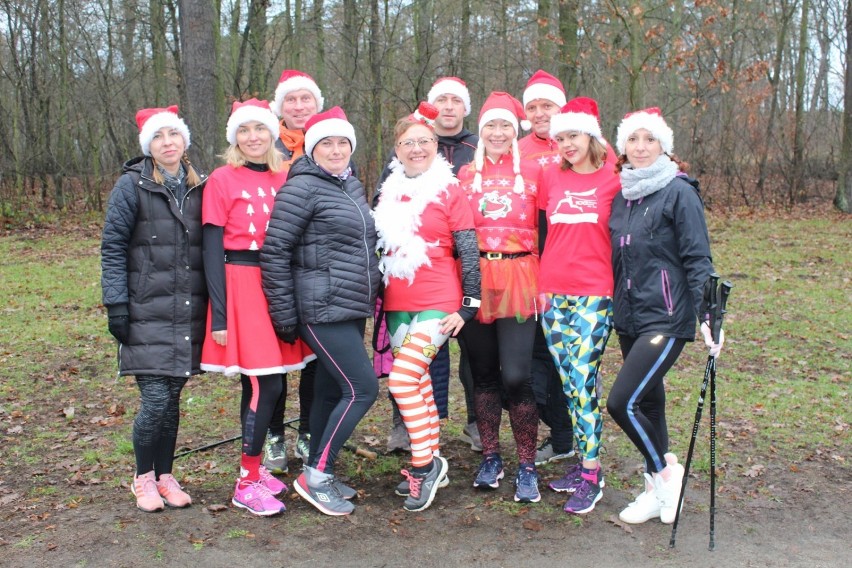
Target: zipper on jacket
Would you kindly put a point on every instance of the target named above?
(667, 292)
(364, 240)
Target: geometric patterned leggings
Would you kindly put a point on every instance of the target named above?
(576, 329)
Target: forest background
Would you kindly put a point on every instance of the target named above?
(757, 92)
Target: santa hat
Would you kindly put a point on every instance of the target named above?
(243, 112)
(332, 122)
(150, 120)
(651, 120)
(293, 80)
(543, 85)
(499, 105)
(450, 86)
(426, 114)
(580, 114)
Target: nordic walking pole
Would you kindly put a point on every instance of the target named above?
(715, 330)
(222, 442)
(710, 304)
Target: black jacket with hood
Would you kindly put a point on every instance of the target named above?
(661, 260)
(318, 261)
(152, 271)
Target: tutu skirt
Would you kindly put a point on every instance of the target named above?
(252, 348)
(509, 288)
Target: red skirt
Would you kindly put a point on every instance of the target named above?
(509, 288)
(252, 347)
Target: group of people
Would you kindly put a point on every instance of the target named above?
(529, 251)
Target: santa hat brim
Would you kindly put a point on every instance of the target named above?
(326, 128)
(546, 92)
(495, 113)
(449, 87)
(653, 123)
(249, 113)
(158, 121)
(296, 84)
(576, 122)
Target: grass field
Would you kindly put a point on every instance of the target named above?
(783, 378)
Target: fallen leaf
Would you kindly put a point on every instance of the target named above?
(68, 412)
(619, 523)
(532, 525)
(216, 508)
(754, 471)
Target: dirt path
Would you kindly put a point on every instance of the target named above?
(787, 519)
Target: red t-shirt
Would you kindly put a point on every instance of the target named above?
(505, 221)
(241, 201)
(577, 258)
(435, 287)
(542, 152)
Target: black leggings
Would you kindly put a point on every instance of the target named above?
(500, 356)
(345, 387)
(260, 394)
(156, 425)
(637, 399)
(550, 397)
(306, 399)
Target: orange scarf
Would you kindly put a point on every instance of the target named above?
(294, 140)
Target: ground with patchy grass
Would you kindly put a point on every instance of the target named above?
(785, 481)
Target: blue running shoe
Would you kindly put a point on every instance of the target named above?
(490, 472)
(526, 484)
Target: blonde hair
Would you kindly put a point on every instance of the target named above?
(597, 154)
(273, 158)
(192, 177)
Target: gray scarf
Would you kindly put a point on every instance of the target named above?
(636, 184)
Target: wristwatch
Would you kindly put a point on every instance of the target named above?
(470, 302)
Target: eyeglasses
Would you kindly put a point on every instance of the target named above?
(410, 143)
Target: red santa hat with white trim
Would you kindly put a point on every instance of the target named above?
(651, 119)
(499, 105)
(332, 122)
(150, 120)
(543, 85)
(580, 114)
(295, 80)
(248, 111)
(450, 86)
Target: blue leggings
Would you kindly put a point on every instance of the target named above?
(576, 329)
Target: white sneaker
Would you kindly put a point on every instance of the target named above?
(645, 507)
(668, 492)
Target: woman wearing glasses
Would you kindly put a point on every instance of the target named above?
(501, 190)
(421, 217)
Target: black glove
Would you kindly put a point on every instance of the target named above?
(287, 334)
(119, 327)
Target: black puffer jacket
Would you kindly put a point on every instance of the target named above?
(318, 261)
(152, 270)
(661, 260)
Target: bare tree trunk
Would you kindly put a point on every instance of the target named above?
(544, 41)
(257, 47)
(350, 41)
(376, 113)
(199, 24)
(569, 55)
(158, 49)
(774, 82)
(843, 195)
(797, 187)
(350, 10)
(464, 41)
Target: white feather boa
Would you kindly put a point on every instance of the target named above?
(398, 221)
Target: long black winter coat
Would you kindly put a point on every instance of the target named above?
(318, 261)
(660, 260)
(152, 269)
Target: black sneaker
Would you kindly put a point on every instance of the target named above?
(423, 486)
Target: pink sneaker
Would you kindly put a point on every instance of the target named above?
(144, 488)
(275, 485)
(254, 497)
(172, 493)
